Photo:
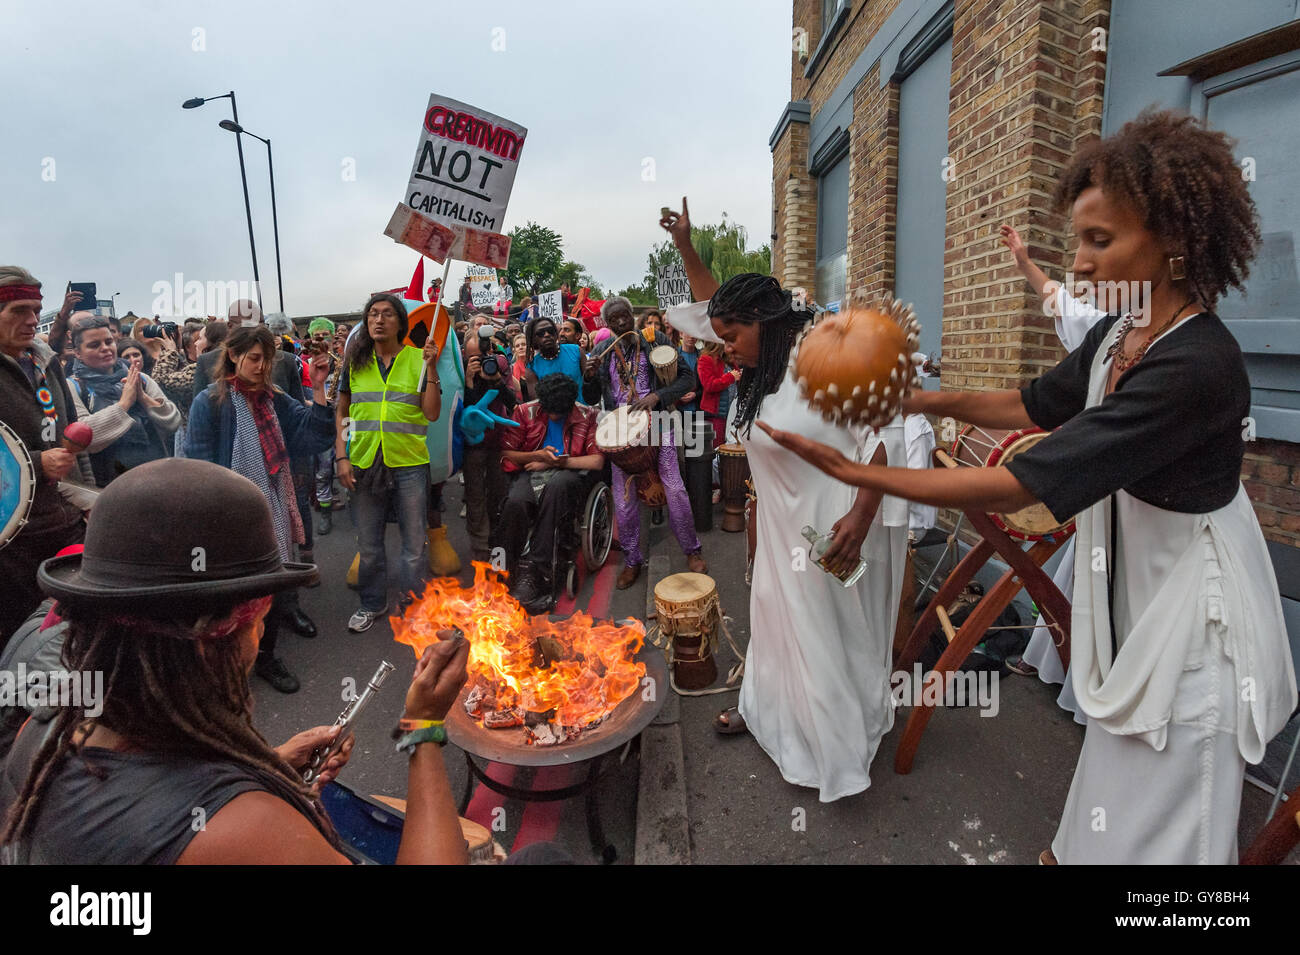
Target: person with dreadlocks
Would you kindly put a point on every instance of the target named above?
(816, 693)
(626, 379)
(1179, 654)
(171, 738)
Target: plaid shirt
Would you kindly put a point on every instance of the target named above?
(579, 432)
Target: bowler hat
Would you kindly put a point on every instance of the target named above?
(171, 536)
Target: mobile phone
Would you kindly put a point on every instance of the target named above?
(87, 290)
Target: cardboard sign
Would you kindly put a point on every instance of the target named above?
(550, 305)
(464, 165)
(672, 285)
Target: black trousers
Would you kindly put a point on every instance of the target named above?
(18, 562)
(283, 603)
(548, 517)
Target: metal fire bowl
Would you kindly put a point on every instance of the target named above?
(508, 745)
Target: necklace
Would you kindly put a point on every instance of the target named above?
(1116, 351)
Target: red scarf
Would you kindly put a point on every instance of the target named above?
(262, 404)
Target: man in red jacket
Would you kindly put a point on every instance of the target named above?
(550, 459)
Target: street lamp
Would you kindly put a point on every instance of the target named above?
(198, 101)
(114, 303)
(234, 127)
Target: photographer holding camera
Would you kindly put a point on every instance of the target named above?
(487, 367)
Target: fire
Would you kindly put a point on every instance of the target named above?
(577, 668)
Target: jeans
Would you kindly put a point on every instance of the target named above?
(325, 479)
(410, 494)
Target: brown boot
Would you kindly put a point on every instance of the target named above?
(629, 576)
(695, 564)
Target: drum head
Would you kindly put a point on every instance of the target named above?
(736, 449)
(663, 355)
(1035, 521)
(685, 588)
(17, 484)
(622, 428)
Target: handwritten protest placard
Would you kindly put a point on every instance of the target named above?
(672, 285)
(550, 305)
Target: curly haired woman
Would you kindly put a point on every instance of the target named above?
(1179, 655)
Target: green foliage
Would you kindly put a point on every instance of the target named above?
(536, 258)
(722, 249)
(576, 275)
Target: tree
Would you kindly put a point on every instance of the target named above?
(722, 249)
(536, 258)
(577, 276)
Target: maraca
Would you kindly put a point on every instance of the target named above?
(77, 437)
(856, 366)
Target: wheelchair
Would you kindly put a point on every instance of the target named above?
(590, 540)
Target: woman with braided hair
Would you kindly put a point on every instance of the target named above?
(816, 693)
(170, 739)
(1179, 654)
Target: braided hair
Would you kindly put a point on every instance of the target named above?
(748, 298)
(173, 687)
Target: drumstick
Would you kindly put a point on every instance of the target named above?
(944, 458)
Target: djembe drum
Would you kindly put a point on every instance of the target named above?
(733, 471)
(855, 367)
(688, 614)
(991, 448)
(623, 436)
(663, 359)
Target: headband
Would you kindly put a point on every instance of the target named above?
(12, 293)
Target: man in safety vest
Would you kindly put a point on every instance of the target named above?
(383, 417)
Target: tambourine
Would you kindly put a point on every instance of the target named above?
(856, 366)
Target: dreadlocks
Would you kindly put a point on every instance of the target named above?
(169, 697)
(1188, 189)
(750, 297)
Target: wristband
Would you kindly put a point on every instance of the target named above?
(430, 734)
(407, 725)
(342, 457)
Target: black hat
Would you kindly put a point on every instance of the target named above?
(172, 536)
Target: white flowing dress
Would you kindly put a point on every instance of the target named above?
(816, 694)
(1202, 680)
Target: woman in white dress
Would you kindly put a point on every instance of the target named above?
(1179, 654)
(816, 693)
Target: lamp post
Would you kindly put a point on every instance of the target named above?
(243, 176)
(234, 127)
(114, 301)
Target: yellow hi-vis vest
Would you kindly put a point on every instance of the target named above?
(386, 413)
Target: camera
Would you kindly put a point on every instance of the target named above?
(160, 330)
(494, 365)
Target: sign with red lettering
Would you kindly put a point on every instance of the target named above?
(464, 165)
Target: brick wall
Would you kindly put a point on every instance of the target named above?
(1026, 92)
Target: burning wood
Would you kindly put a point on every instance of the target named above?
(556, 679)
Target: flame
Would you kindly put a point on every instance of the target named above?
(596, 670)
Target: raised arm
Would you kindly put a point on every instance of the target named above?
(988, 409)
(678, 225)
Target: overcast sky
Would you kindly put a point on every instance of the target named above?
(139, 189)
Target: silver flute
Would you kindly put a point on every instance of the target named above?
(322, 754)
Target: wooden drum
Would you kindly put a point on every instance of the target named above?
(991, 448)
(688, 613)
(733, 470)
(663, 360)
(623, 436)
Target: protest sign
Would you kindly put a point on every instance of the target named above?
(672, 285)
(550, 305)
(482, 285)
(464, 165)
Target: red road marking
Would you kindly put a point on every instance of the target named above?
(542, 819)
(486, 800)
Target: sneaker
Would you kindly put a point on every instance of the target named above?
(324, 523)
(274, 672)
(364, 619)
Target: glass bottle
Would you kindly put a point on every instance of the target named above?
(817, 545)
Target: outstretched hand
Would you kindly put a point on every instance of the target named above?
(1015, 245)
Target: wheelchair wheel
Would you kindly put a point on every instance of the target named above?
(571, 580)
(597, 526)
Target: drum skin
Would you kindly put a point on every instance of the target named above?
(856, 366)
(994, 448)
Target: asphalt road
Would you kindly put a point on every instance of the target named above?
(983, 790)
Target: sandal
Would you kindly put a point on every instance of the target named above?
(729, 722)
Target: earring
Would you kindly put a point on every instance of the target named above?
(1177, 268)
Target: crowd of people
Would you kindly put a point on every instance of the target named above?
(1145, 455)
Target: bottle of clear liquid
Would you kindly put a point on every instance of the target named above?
(817, 545)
